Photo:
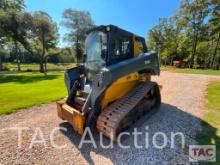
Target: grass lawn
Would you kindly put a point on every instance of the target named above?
(192, 71)
(211, 125)
(35, 66)
(23, 90)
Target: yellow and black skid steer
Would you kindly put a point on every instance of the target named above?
(113, 87)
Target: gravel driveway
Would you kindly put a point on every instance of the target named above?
(182, 107)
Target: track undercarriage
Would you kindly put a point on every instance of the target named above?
(122, 113)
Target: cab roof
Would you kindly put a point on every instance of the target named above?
(113, 28)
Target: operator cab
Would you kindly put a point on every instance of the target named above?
(108, 45)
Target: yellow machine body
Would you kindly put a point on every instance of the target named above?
(72, 115)
(119, 88)
(137, 46)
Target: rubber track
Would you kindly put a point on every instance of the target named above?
(110, 119)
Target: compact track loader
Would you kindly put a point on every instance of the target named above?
(113, 87)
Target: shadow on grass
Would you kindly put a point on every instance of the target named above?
(208, 135)
(25, 78)
(168, 119)
(207, 132)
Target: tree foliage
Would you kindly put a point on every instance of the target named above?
(33, 37)
(193, 34)
(12, 5)
(14, 24)
(78, 23)
(44, 36)
(215, 28)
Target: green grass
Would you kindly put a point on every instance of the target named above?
(192, 71)
(35, 66)
(211, 121)
(24, 90)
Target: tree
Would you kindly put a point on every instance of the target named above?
(215, 26)
(190, 18)
(78, 22)
(45, 35)
(183, 42)
(14, 24)
(163, 38)
(193, 36)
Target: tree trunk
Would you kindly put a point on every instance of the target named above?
(159, 55)
(215, 50)
(1, 66)
(195, 41)
(193, 56)
(218, 67)
(41, 66)
(77, 50)
(45, 65)
(208, 63)
(42, 60)
(42, 63)
(171, 61)
(17, 56)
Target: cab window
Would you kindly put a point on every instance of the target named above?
(122, 48)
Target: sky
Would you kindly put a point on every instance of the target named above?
(137, 16)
